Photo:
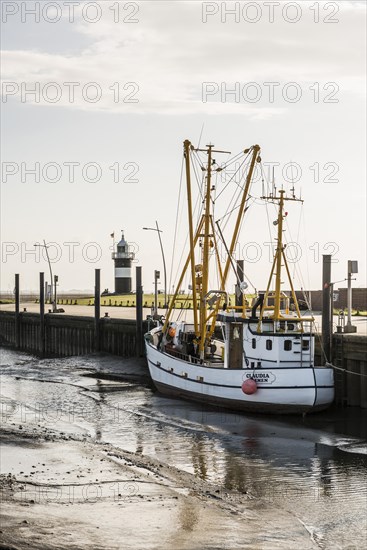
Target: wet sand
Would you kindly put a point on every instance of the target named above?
(92, 458)
(62, 493)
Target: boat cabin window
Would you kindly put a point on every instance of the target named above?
(287, 345)
(253, 343)
(269, 344)
(287, 326)
(305, 345)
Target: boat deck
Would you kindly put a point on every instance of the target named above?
(211, 361)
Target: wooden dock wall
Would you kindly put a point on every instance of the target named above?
(350, 354)
(66, 335)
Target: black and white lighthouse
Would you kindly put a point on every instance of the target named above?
(122, 258)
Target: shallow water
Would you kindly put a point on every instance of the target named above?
(315, 467)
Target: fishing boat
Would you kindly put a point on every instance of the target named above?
(257, 357)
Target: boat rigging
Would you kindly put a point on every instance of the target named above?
(258, 358)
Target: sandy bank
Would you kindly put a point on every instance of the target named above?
(61, 492)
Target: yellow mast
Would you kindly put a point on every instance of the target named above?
(255, 157)
(205, 254)
(187, 148)
(179, 284)
(280, 256)
(205, 230)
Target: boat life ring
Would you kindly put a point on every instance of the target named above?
(249, 386)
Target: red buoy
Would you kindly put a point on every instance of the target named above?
(249, 386)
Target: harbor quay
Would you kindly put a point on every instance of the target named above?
(103, 447)
(77, 332)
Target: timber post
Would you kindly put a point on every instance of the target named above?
(17, 319)
(42, 315)
(326, 305)
(97, 309)
(139, 312)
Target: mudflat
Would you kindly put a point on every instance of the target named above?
(93, 458)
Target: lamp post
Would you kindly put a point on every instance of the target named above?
(159, 231)
(352, 268)
(45, 246)
(156, 277)
(56, 278)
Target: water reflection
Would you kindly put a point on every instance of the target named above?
(311, 467)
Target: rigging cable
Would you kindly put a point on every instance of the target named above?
(231, 259)
(307, 264)
(201, 134)
(176, 224)
(233, 159)
(234, 174)
(199, 185)
(197, 209)
(232, 203)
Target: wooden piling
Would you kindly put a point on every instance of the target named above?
(17, 303)
(326, 305)
(42, 315)
(97, 310)
(139, 312)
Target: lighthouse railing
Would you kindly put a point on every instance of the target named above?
(123, 255)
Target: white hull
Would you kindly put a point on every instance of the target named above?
(280, 389)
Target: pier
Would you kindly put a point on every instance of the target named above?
(64, 335)
(67, 335)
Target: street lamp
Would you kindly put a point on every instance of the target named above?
(45, 246)
(159, 231)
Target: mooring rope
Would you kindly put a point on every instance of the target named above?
(345, 370)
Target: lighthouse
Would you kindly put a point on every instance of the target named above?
(122, 258)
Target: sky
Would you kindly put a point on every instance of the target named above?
(98, 97)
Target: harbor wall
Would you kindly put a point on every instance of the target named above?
(67, 335)
(349, 355)
(359, 298)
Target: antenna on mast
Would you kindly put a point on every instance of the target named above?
(292, 190)
(274, 192)
(201, 134)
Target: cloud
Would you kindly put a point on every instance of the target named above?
(170, 52)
